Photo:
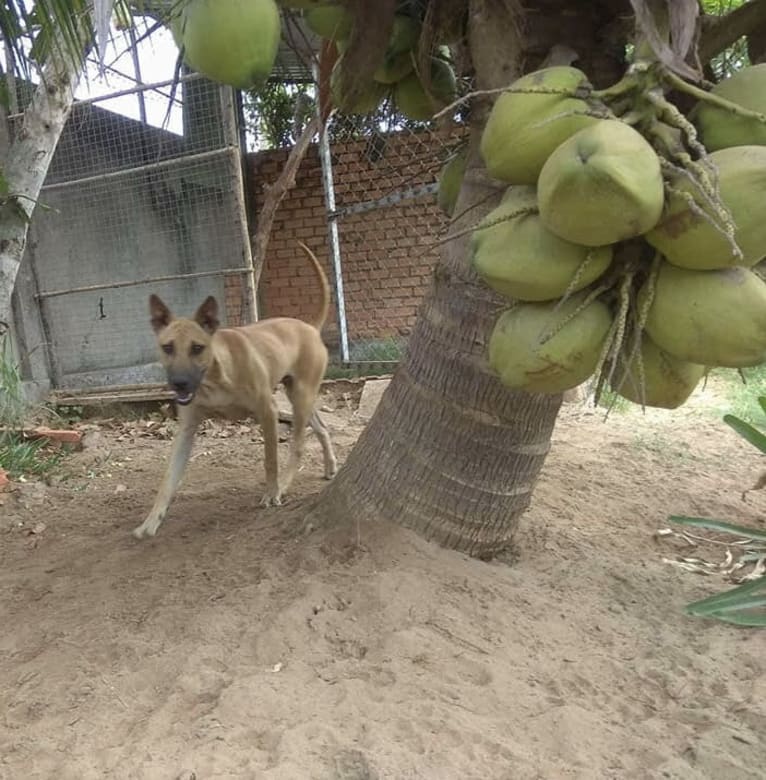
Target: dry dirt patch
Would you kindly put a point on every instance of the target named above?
(229, 647)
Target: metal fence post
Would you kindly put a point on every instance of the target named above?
(332, 218)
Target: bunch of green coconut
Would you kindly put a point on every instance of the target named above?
(628, 239)
(236, 41)
(398, 76)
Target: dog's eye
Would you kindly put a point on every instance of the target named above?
(196, 349)
(168, 348)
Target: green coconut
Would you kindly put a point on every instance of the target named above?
(415, 103)
(564, 361)
(404, 34)
(333, 22)
(601, 186)
(667, 381)
(451, 179)
(394, 67)
(523, 129)
(231, 41)
(714, 318)
(688, 240)
(720, 128)
(522, 260)
(364, 103)
(305, 4)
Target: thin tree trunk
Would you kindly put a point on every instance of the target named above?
(26, 166)
(451, 453)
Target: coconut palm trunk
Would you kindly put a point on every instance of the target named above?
(451, 453)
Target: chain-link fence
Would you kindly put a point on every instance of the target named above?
(384, 222)
(132, 207)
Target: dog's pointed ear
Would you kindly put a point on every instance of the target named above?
(159, 313)
(207, 315)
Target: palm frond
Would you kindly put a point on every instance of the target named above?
(60, 28)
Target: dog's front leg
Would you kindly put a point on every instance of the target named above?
(179, 457)
(269, 418)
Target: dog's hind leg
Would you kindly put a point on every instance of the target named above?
(320, 429)
(302, 396)
(179, 457)
(269, 419)
(301, 416)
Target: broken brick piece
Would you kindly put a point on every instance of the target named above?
(70, 437)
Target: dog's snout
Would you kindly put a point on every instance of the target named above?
(182, 385)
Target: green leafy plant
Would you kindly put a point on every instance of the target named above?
(24, 458)
(12, 402)
(744, 605)
(19, 456)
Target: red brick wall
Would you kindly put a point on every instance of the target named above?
(387, 253)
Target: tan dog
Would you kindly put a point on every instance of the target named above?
(232, 373)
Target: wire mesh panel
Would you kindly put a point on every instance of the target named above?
(388, 222)
(131, 208)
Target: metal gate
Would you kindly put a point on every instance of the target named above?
(130, 209)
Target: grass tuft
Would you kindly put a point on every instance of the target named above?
(20, 457)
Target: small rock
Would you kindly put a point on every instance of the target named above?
(371, 394)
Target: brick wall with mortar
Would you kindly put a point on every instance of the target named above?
(387, 253)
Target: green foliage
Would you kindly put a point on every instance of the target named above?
(744, 605)
(720, 7)
(277, 113)
(19, 457)
(742, 392)
(747, 431)
(13, 405)
(63, 26)
(613, 402)
(735, 57)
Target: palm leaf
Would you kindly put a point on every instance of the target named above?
(63, 28)
(746, 431)
(720, 525)
(744, 605)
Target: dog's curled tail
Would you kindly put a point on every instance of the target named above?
(320, 317)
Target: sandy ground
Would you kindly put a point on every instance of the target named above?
(229, 648)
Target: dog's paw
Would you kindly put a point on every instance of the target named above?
(145, 530)
(271, 499)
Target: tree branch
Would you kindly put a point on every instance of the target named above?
(718, 33)
(273, 195)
